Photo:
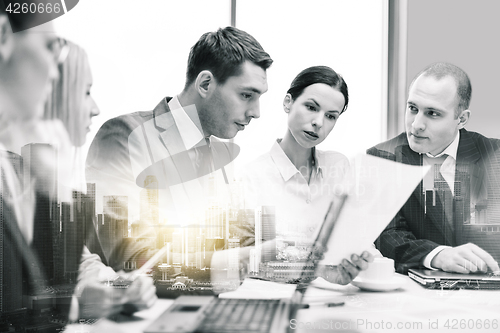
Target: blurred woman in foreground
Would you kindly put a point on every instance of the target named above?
(71, 103)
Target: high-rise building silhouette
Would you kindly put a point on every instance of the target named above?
(200, 251)
(258, 239)
(149, 201)
(191, 233)
(69, 234)
(485, 231)
(177, 247)
(268, 220)
(216, 222)
(114, 226)
(77, 219)
(265, 230)
(492, 175)
(40, 182)
(11, 287)
(233, 269)
(90, 199)
(164, 237)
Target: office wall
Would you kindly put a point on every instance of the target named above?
(349, 36)
(465, 33)
(138, 51)
(139, 54)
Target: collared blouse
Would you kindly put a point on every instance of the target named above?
(300, 207)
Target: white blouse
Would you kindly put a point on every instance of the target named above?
(273, 180)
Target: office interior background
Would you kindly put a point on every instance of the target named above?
(138, 54)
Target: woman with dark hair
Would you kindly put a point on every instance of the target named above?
(298, 179)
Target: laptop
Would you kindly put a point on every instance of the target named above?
(210, 314)
(444, 280)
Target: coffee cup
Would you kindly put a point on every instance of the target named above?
(381, 269)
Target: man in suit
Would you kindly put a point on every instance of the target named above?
(172, 146)
(431, 230)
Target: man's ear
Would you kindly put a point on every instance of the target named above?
(287, 102)
(6, 42)
(463, 118)
(205, 83)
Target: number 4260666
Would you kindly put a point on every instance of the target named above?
(18, 8)
(472, 324)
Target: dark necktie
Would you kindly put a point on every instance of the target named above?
(43, 231)
(443, 191)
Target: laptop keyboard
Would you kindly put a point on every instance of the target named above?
(239, 315)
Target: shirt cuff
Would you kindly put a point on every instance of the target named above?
(431, 255)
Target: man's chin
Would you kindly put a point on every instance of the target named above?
(417, 148)
(226, 136)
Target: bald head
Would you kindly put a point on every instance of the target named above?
(442, 70)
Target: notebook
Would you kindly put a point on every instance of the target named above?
(209, 314)
(444, 280)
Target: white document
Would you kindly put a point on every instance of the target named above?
(258, 289)
(377, 188)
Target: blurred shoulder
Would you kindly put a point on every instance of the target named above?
(124, 124)
(387, 148)
(490, 144)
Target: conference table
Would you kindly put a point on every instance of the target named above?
(411, 308)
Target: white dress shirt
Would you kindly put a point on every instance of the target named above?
(448, 171)
(448, 167)
(273, 180)
(191, 135)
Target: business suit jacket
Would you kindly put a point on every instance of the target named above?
(130, 147)
(24, 270)
(414, 232)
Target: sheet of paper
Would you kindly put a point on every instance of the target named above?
(377, 188)
(259, 289)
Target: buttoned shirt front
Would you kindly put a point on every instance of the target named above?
(212, 186)
(448, 171)
(273, 180)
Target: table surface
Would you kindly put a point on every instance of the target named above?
(411, 308)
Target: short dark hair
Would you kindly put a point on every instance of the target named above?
(319, 74)
(440, 70)
(222, 52)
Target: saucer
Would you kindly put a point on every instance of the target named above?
(384, 285)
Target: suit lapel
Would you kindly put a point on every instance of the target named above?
(405, 155)
(468, 158)
(171, 139)
(469, 178)
(30, 261)
(178, 163)
(168, 131)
